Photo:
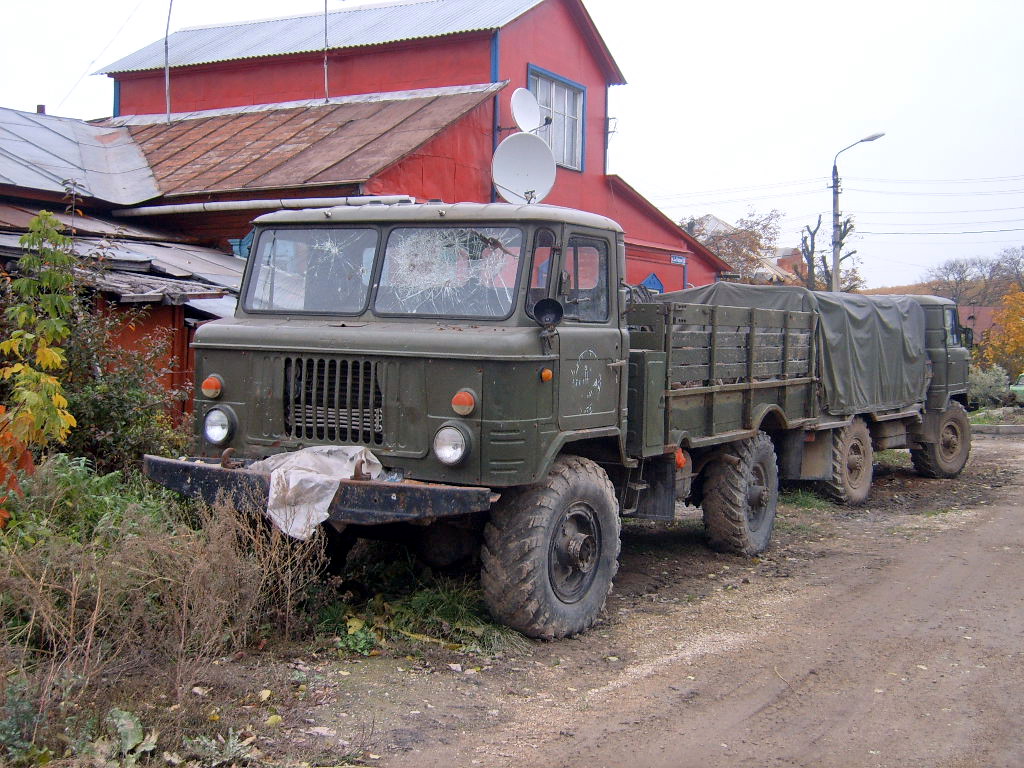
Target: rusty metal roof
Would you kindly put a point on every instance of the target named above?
(346, 28)
(138, 264)
(42, 152)
(346, 140)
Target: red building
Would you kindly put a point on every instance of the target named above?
(408, 57)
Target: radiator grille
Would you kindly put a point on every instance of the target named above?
(337, 400)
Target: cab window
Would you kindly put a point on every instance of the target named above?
(584, 279)
(540, 272)
(952, 328)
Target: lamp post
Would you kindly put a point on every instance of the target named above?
(835, 208)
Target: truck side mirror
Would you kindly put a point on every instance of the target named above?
(967, 334)
(548, 312)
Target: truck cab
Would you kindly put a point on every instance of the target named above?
(409, 329)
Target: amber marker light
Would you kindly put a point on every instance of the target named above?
(211, 387)
(463, 402)
(546, 374)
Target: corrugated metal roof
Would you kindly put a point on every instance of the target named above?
(345, 141)
(154, 272)
(347, 28)
(40, 152)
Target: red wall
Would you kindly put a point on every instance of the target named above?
(455, 165)
(461, 60)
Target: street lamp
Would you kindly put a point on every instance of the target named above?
(835, 207)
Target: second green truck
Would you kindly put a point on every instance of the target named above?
(522, 399)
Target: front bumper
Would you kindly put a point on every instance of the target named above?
(357, 502)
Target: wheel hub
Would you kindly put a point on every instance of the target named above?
(950, 440)
(574, 553)
(581, 550)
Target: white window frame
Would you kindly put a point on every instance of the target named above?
(565, 103)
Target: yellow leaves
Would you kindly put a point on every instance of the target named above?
(1005, 344)
(49, 358)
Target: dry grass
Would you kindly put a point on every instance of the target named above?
(85, 621)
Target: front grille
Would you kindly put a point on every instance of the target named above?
(337, 400)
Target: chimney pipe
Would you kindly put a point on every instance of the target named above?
(40, 109)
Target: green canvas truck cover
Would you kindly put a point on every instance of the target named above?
(873, 355)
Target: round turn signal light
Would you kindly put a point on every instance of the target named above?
(463, 402)
(212, 386)
(546, 374)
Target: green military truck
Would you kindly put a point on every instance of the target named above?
(522, 398)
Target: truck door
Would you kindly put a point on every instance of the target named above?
(957, 357)
(589, 337)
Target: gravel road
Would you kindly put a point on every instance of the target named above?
(885, 636)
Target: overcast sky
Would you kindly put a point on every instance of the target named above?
(730, 105)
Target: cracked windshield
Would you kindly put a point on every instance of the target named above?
(313, 270)
(450, 271)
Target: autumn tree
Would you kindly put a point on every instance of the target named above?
(746, 246)
(1005, 344)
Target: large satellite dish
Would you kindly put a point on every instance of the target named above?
(525, 110)
(523, 168)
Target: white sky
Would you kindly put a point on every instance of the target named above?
(730, 104)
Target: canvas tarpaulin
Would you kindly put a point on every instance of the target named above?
(871, 348)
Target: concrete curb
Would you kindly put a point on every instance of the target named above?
(997, 429)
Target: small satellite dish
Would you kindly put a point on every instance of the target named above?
(523, 168)
(525, 110)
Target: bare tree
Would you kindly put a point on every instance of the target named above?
(808, 249)
(1011, 267)
(746, 246)
(850, 278)
(953, 279)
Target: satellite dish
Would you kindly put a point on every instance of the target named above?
(525, 110)
(523, 168)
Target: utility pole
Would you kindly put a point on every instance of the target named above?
(836, 244)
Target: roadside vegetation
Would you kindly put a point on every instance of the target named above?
(117, 599)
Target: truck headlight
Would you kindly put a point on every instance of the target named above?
(218, 426)
(451, 445)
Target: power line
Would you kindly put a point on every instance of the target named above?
(752, 187)
(967, 232)
(979, 180)
(938, 194)
(97, 58)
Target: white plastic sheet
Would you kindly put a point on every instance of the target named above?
(303, 483)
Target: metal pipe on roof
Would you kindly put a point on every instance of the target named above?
(261, 205)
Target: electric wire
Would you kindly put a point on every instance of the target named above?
(92, 63)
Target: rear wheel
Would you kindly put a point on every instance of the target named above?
(741, 492)
(948, 456)
(852, 464)
(551, 551)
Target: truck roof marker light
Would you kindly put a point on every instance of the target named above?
(212, 387)
(463, 402)
(546, 374)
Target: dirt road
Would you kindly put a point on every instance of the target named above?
(886, 636)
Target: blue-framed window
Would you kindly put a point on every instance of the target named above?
(565, 103)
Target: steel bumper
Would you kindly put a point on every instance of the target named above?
(357, 502)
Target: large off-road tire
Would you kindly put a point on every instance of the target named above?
(949, 455)
(741, 492)
(852, 465)
(551, 551)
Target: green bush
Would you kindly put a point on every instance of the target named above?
(988, 387)
(118, 396)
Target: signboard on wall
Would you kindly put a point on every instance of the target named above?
(678, 259)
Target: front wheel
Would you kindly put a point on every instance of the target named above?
(551, 551)
(852, 464)
(947, 457)
(741, 492)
